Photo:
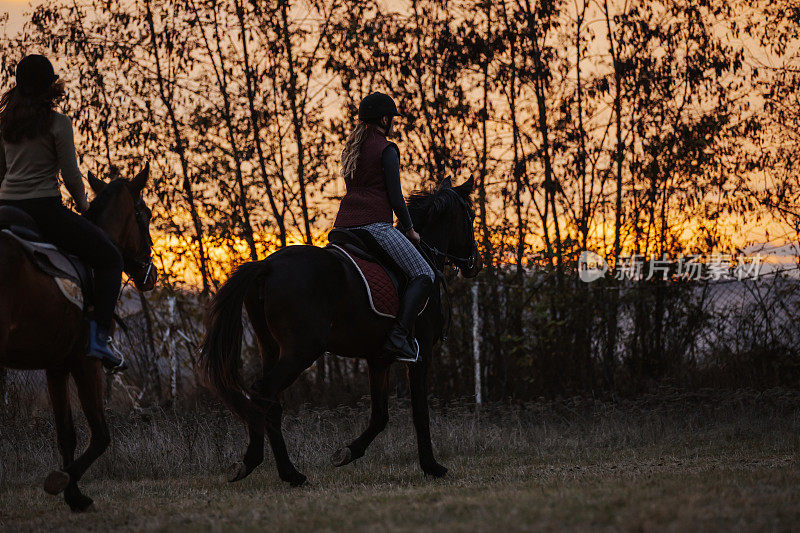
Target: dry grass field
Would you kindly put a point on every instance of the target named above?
(670, 461)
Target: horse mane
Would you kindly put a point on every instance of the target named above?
(426, 203)
(104, 198)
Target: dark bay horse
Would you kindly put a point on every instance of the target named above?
(304, 301)
(40, 329)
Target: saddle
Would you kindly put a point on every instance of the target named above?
(383, 279)
(73, 278)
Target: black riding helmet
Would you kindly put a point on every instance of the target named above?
(35, 74)
(375, 106)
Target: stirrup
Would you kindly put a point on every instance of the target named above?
(401, 358)
(121, 366)
(108, 364)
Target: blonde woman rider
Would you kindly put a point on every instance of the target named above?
(371, 170)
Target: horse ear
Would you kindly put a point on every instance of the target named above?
(95, 183)
(444, 184)
(466, 188)
(139, 182)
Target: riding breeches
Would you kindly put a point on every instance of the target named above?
(76, 235)
(399, 248)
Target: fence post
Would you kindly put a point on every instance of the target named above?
(173, 352)
(476, 344)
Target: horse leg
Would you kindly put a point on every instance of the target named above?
(88, 381)
(418, 382)
(379, 415)
(254, 455)
(58, 389)
(285, 371)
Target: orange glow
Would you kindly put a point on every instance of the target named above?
(176, 256)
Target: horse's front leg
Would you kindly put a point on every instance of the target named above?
(61, 480)
(418, 383)
(88, 382)
(379, 416)
(58, 389)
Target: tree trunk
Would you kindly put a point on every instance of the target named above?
(279, 219)
(297, 121)
(181, 151)
(222, 84)
(609, 356)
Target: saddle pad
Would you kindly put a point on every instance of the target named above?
(381, 292)
(54, 263)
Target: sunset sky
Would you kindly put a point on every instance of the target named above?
(15, 10)
(755, 232)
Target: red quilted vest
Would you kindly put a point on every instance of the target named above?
(367, 200)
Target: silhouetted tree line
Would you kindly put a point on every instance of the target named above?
(645, 127)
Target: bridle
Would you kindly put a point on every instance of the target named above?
(460, 262)
(142, 214)
(430, 252)
(144, 262)
(463, 263)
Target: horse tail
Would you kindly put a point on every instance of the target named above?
(221, 347)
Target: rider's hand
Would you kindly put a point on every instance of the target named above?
(413, 236)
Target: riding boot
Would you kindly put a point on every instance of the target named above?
(98, 348)
(399, 344)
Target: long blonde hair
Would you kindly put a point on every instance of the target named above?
(352, 149)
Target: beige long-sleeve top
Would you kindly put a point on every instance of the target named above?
(30, 168)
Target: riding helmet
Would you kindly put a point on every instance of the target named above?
(375, 106)
(35, 74)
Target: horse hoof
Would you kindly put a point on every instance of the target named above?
(342, 456)
(83, 504)
(238, 471)
(56, 482)
(435, 470)
(298, 480)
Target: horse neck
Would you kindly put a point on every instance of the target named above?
(439, 238)
(113, 229)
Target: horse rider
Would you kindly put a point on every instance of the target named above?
(371, 170)
(37, 143)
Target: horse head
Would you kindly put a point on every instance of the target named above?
(119, 209)
(445, 220)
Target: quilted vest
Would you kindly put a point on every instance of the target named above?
(366, 200)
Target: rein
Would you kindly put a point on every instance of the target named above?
(455, 260)
(425, 249)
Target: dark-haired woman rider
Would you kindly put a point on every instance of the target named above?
(371, 169)
(37, 144)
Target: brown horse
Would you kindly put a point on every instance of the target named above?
(41, 329)
(303, 301)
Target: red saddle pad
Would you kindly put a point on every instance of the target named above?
(382, 294)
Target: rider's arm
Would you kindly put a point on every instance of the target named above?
(391, 170)
(68, 162)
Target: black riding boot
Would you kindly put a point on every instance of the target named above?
(399, 344)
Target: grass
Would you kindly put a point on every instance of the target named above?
(668, 461)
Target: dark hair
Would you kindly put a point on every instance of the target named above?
(25, 116)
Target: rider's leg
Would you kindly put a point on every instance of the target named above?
(399, 343)
(421, 278)
(76, 235)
